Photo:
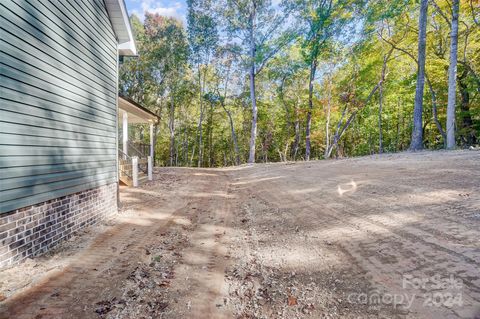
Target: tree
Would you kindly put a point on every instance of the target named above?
(203, 39)
(452, 77)
(317, 15)
(154, 78)
(360, 105)
(224, 66)
(380, 105)
(417, 131)
(254, 26)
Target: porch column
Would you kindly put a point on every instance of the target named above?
(150, 158)
(125, 132)
(135, 171)
(151, 140)
(150, 168)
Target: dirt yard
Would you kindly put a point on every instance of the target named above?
(391, 236)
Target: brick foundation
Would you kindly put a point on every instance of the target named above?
(32, 230)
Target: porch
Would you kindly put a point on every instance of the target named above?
(135, 157)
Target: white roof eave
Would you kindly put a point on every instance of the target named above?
(136, 115)
(117, 12)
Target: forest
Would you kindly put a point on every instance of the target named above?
(249, 81)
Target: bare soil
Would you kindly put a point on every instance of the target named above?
(390, 236)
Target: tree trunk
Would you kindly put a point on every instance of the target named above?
(156, 133)
(452, 77)
(397, 136)
(234, 136)
(253, 134)
(253, 53)
(200, 139)
(327, 124)
(291, 120)
(210, 137)
(337, 135)
(380, 106)
(200, 120)
(285, 152)
(417, 132)
(313, 69)
(176, 154)
(296, 141)
(185, 147)
(172, 131)
(193, 155)
(435, 112)
(230, 119)
(380, 141)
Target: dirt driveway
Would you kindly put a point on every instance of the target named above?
(391, 236)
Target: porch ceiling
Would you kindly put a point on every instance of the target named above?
(136, 112)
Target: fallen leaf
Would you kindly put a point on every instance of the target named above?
(292, 301)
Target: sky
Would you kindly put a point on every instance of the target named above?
(172, 8)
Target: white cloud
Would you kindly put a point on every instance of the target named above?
(174, 9)
(137, 13)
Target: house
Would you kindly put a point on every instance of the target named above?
(58, 119)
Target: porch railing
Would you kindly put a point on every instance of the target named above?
(135, 148)
(125, 165)
(129, 167)
(141, 148)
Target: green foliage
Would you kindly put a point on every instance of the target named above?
(202, 29)
(349, 39)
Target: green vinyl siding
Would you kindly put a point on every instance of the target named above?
(57, 100)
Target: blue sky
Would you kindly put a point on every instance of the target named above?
(173, 8)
